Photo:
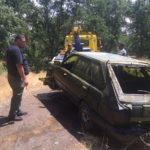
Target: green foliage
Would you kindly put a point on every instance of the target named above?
(140, 28)
(46, 25)
(9, 25)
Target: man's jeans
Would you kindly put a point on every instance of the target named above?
(16, 84)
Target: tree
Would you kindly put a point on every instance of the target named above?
(140, 28)
(105, 18)
(46, 25)
(9, 25)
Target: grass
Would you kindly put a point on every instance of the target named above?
(2, 68)
(5, 90)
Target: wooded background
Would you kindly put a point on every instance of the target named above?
(46, 23)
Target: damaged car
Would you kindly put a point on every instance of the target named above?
(110, 90)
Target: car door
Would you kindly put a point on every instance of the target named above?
(78, 85)
(72, 77)
(62, 73)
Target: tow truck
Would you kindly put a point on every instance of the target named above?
(88, 40)
(78, 38)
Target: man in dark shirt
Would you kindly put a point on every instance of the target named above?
(17, 76)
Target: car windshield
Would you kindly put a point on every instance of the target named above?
(133, 79)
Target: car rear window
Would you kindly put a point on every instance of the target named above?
(133, 79)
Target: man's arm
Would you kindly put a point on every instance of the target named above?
(22, 74)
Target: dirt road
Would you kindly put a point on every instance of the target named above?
(44, 128)
(51, 124)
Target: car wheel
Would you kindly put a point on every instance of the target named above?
(85, 117)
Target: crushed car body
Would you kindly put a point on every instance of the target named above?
(110, 90)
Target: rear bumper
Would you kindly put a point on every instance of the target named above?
(124, 133)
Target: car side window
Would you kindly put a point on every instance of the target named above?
(82, 69)
(97, 78)
(90, 72)
(70, 62)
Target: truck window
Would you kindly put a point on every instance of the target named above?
(85, 43)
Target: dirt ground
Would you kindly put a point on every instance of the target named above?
(51, 124)
(40, 129)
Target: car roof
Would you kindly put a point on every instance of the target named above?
(112, 58)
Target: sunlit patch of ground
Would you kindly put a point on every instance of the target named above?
(5, 90)
(34, 81)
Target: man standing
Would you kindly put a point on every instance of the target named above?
(69, 50)
(17, 67)
(122, 50)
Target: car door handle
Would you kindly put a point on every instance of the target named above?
(84, 87)
(65, 74)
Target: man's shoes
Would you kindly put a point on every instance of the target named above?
(21, 113)
(15, 118)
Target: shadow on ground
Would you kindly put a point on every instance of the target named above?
(63, 110)
(67, 114)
